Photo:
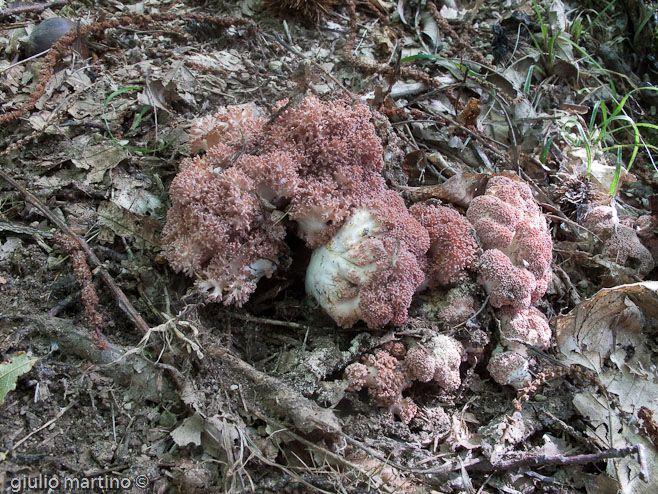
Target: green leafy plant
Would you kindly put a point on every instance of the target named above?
(607, 129)
(11, 370)
(606, 126)
(136, 121)
(601, 14)
(546, 42)
(576, 29)
(565, 133)
(463, 67)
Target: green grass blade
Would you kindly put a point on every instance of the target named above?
(528, 79)
(592, 119)
(113, 95)
(615, 179)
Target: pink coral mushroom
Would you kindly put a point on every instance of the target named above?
(524, 327)
(372, 266)
(621, 242)
(384, 377)
(218, 231)
(381, 374)
(234, 126)
(510, 225)
(505, 283)
(625, 248)
(519, 328)
(321, 163)
(439, 360)
(453, 248)
(509, 369)
(341, 159)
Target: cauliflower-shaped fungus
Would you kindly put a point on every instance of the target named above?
(508, 221)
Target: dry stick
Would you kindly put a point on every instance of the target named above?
(271, 322)
(311, 444)
(124, 304)
(485, 466)
(47, 424)
(99, 28)
(305, 414)
(489, 141)
(35, 7)
(358, 444)
(543, 460)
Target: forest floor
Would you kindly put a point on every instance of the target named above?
(152, 389)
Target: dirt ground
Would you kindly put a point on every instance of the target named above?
(152, 389)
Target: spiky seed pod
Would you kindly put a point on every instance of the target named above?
(311, 10)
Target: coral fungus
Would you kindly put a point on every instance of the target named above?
(621, 242)
(340, 158)
(646, 227)
(505, 283)
(600, 219)
(461, 305)
(519, 328)
(386, 377)
(371, 268)
(438, 359)
(509, 369)
(234, 126)
(321, 163)
(218, 230)
(383, 376)
(453, 248)
(510, 225)
(625, 248)
(524, 327)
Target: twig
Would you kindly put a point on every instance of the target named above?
(24, 61)
(313, 445)
(563, 427)
(293, 50)
(124, 304)
(35, 7)
(271, 322)
(543, 460)
(115, 361)
(64, 303)
(47, 424)
(562, 218)
(279, 397)
(23, 230)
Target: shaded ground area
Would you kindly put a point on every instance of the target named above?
(117, 374)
